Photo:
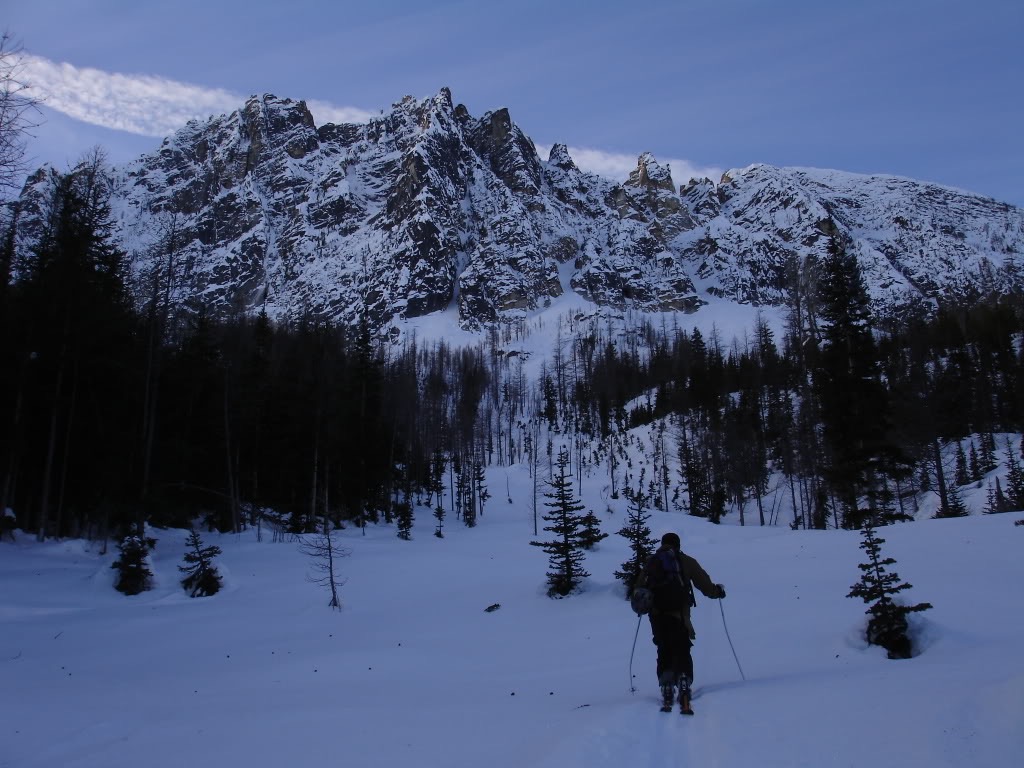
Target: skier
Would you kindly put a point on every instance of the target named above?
(670, 575)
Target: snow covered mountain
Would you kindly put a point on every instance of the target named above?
(426, 207)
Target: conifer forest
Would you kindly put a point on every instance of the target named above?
(121, 405)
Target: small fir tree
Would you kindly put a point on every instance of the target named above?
(641, 543)
(201, 576)
(955, 506)
(404, 518)
(591, 533)
(995, 501)
(439, 514)
(887, 626)
(134, 575)
(565, 549)
(325, 553)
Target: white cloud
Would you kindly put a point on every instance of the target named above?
(618, 166)
(142, 104)
(155, 106)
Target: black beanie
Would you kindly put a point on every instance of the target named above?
(671, 540)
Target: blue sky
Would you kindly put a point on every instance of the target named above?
(928, 89)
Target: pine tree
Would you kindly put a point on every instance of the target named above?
(975, 464)
(996, 500)
(961, 477)
(1014, 480)
(134, 575)
(404, 518)
(591, 533)
(565, 549)
(988, 452)
(955, 506)
(638, 534)
(201, 575)
(480, 482)
(887, 626)
(854, 402)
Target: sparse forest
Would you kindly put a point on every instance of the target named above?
(122, 405)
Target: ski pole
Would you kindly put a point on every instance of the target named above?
(726, 627)
(632, 688)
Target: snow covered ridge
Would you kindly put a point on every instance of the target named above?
(425, 208)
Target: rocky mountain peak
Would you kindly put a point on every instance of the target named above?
(651, 175)
(559, 156)
(425, 207)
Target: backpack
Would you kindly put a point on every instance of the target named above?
(668, 584)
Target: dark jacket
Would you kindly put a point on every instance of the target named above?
(671, 576)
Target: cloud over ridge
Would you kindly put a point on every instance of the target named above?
(148, 105)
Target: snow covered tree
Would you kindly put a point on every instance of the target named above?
(638, 533)
(565, 549)
(201, 576)
(134, 575)
(887, 626)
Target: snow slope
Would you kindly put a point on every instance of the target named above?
(413, 671)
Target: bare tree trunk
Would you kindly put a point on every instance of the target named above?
(67, 451)
(51, 448)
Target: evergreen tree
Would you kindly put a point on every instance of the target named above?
(201, 575)
(480, 484)
(854, 403)
(887, 626)
(954, 506)
(975, 465)
(1014, 480)
(638, 533)
(565, 549)
(439, 515)
(404, 518)
(591, 533)
(134, 575)
(961, 477)
(996, 500)
(988, 453)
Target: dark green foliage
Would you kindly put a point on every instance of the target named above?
(638, 533)
(854, 402)
(133, 574)
(591, 533)
(201, 576)
(887, 626)
(566, 547)
(404, 518)
(1014, 480)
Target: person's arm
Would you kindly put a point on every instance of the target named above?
(700, 579)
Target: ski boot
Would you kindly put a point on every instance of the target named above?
(684, 696)
(667, 697)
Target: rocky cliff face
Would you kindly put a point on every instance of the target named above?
(426, 207)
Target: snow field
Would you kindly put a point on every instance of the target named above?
(413, 669)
